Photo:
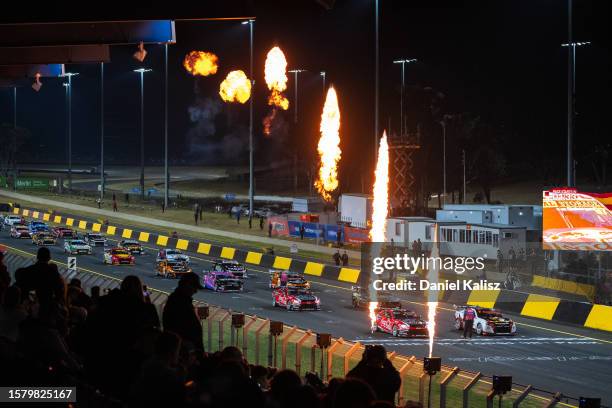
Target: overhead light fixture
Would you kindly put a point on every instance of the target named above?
(37, 84)
(141, 53)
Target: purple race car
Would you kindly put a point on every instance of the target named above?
(222, 282)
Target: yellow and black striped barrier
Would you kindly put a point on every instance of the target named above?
(526, 304)
(343, 274)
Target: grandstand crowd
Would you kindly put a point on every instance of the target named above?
(118, 352)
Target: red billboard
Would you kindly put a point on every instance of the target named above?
(576, 221)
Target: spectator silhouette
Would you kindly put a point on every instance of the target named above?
(161, 378)
(179, 314)
(76, 295)
(353, 393)
(5, 277)
(283, 387)
(12, 313)
(113, 331)
(378, 372)
(42, 277)
(43, 338)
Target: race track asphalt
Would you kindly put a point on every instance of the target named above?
(548, 355)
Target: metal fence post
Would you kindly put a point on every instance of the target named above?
(313, 355)
(422, 388)
(522, 396)
(490, 397)
(284, 346)
(444, 383)
(245, 336)
(221, 323)
(554, 400)
(348, 354)
(210, 324)
(468, 387)
(402, 373)
(330, 356)
(298, 351)
(257, 334)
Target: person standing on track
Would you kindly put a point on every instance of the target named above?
(468, 322)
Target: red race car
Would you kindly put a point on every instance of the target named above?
(295, 299)
(63, 232)
(400, 322)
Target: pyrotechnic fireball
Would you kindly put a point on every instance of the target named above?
(432, 295)
(329, 146)
(373, 306)
(201, 63)
(276, 78)
(380, 204)
(236, 87)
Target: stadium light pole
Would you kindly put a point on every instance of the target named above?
(141, 71)
(376, 59)
(15, 107)
(443, 123)
(322, 73)
(101, 131)
(69, 100)
(403, 62)
(571, 98)
(251, 22)
(295, 73)
(166, 174)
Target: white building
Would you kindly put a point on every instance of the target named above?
(528, 216)
(457, 238)
(355, 209)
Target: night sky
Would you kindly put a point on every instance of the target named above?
(499, 60)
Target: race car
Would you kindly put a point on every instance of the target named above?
(221, 281)
(43, 238)
(118, 256)
(172, 269)
(360, 298)
(399, 322)
(294, 280)
(133, 246)
(295, 299)
(95, 239)
(63, 232)
(38, 226)
(76, 246)
(172, 255)
(487, 321)
(236, 269)
(20, 231)
(13, 220)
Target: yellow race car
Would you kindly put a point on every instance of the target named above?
(43, 238)
(293, 280)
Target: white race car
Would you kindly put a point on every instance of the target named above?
(172, 255)
(76, 246)
(487, 321)
(13, 220)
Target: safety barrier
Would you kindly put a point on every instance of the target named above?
(296, 348)
(526, 304)
(576, 288)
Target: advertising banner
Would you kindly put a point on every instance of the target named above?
(355, 235)
(576, 221)
(279, 226)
